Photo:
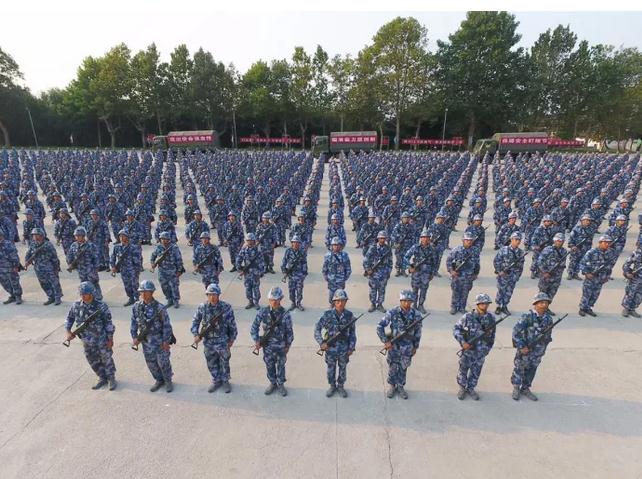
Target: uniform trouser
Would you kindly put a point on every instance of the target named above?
(550, 285)
(332, 287)
(399, 254)
(219, 232)
(217, 358)
(505, 287)
(50, 283)
(252, 284)
(275, 360)
(104, 255)
(574, 261)
(295, 288)
(536, 253)
(528, 231)
(250, 226)
(591, 289)
(234, 249)
(93, 279)
(525, 369)
(66, 244)
(130, 282)
(419, 283)
(470, 367)
(170, 285)
(398, 360)
(333, 358)
(268, 258)
(11, 283)
(280, 233)
(377, 289)
(115, 228)
(209, 277)
(440, 254)
(100, 360)
(158, 361)
(460, 286)
(632, 294)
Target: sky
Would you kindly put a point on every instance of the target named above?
(50, 40)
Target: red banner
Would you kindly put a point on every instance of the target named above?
(526, 140)
(257, 139)
(432, 141)
(354, 139)
(189, 138)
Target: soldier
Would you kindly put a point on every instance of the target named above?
(501, 215)
(232, 238)
(509, 265)
(596, 267)
(529, 354)
(377, 266)
(421, 261)
(207, 260)
(531, 219)
(478, 232)
(195, 228)
(280, 217)
(303, 230)
(400, 353)
(276, 325)
(251, 265)
(190, 207)
(167, 258)
(336, 268)
(551, 264)
(217, 318)
(150, 326)
(165, 224)
(217, 217)
(335, 322)
(64, 229)
(334, 229)
(335, 209)
(439, 237)
(475, 323)
(359, 214)
(249, 215)
(463, 265)
(579, 242)
(267, 239)
(541, 238)
(98, 337)
(9, 270)
(42, 254)
(632, 269)
(125, 260)
(368, 233)
(403, 237)
(83, 256)
(29, 223)
(295, 268)
(115, 214)
(506, 230)
(98, 233)
(618, 233)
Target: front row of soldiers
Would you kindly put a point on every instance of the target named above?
(214, 324)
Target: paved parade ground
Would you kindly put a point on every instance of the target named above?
(587, 423)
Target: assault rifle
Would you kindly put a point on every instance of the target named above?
(370, 271)
(333, 339)
(120, 259)
(403, 333)
(79, 254)
(204, 261)
(544, 333)
(290, 270)
(205, 330)
(244, 270)
(161, 258)
(147, 327)
(477, 338)
(268, 333)
(80, 329)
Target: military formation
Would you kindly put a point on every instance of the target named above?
(402, 207)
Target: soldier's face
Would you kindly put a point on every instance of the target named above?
(296, 245)
(548, 223)
(80, 238)
(371, 219)
(165, 242)
(620, 222)
(381, 241)
(405, 304)
(604, 245)
(558, 243)
(205, 241)
(477, 222)
(424, 240)
(482, 307)
(515, 242)
(87, 298)
(212, 298)
(468, 243)
(585, 223)
(405, 220)
(38, 238)
(147, 296)
(336, 248)
(340, 305)
(274, 303)
(123, 239)
(541, 307)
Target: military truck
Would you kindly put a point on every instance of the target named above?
(195, 139)
(513, 142)
(345, 140)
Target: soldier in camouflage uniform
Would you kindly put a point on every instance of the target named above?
(377, 266)
(276, 325)
(403, 237)
(333, 322)
(98, 337)
(632, 269)
(509, 265)
(125, 260)
(207, 260)
(42, 254)
(150, 326)
(421, 261)
(579, 242)
(267, 239)
(471, 325)
(9, 270)
(336, 268)
(232, 237)
(64, 229)
(83, 256)
(596, 267)
(169, 261)
(368, 233)
(551, 264)
(463, 265)
(217, 318)
(295, 268)
(400, 353)
(252, 267)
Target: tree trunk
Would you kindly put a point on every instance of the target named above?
(472, 125)
(142, 138)
(112, 131)
(381, 136)
(303, 129)
(342, 115)
(5, 134)
(100, 138)
(159, 123)
(397, 132)
(234, 129)
(417, 131)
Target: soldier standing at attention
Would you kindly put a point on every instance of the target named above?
(335, 321)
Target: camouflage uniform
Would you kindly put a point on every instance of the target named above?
(471, 362)
(154, 318)
(400, 356)
(337, 353)
(87, 264)
(169, 271)
(275, 351)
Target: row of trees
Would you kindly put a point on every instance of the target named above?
(394, 85)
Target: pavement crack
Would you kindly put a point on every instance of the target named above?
(386, 418)
(35, 416)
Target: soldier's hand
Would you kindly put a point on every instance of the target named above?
(474, 277)
(546, 275)
(501, 273)
(411, 270)
(165, 346)
(257, 345)
(388, 346)
(197, 339)
(454, 274)
(324, 346)
(414, 350)
(110, 343)
(524, 350)
(286, 350)
(589, 275)
(230, 344)
(466, 346)
(136, 342)
(350, 352)
(70, 335)
(16, 270)
(628, 275)
(178, 275)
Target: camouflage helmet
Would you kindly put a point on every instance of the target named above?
(146, 285)
(165, 235)
(340, 295)
(80, 231)
(406, 295)
(483, 298)
(213, 289)
(86, 287)
(275, 293)
(336, 240)
(541, 296)
(204, 234)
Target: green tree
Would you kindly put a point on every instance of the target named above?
(341, 71)
(11, 93)
(302, 91)
(179, 74)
